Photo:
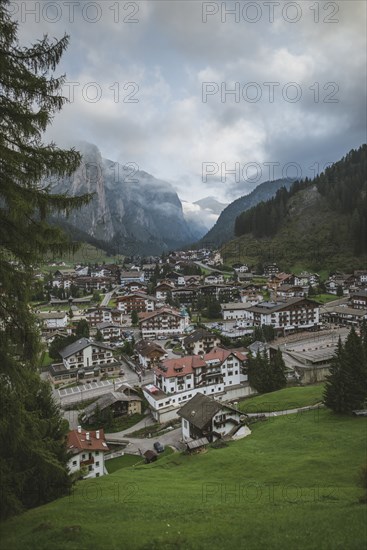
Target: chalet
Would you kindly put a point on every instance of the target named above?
(235, 310)
(219, 373)
(173, 277)
(270, 269)
(203, 417)
(135, 286)
(135, 302)
(221, 292)
(98, 315)
(358, 300)
(87, 450)
(361, 277)
(185, 295)
(279, 279)
(215, 277)
(251, 296)
(124, 401)
(200, 341)
(148, 270)
(53, 320)
(307, 279)
(89, 283)
(163, 322)
(240, 268)
(291, 291)
(213, 372)
(83, 359)
(287, 315)
(110, 331)
(131, 277)
(162, 290)
(149, 353)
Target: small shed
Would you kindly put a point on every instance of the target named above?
(196, 445)
(150, 456)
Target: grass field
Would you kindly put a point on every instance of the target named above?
(126, 461)
(288, 398)
(291, 484)
(86, 254)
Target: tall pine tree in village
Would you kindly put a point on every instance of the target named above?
(346, 385)
(33, 455)
(264, 374)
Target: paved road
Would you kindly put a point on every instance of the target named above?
(203, 266)
(106, 299)
(77, 394)
(135, 445)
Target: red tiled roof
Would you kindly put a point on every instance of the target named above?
(78, 441)
(191, 362)
(187, 364)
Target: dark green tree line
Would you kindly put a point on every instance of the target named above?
(32, 433)
(346, 385)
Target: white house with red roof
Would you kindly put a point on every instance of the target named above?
(87, 450)
(219, 374)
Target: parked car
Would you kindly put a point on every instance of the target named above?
(158, 447)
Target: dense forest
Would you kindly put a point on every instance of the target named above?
(343, 185)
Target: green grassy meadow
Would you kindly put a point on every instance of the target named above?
(282, 400)
(291, 484)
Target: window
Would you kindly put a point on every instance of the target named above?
(97, 463)
(74, 462)
(97, 474)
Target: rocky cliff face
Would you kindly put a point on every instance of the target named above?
(131, 209)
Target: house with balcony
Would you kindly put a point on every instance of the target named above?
(138, 301)
(149, 354)
(200, 341)
(286, 315)
(131, 277)
(163, 289)
(82, 360)
(204, 417)
(110, 331)
(124, 401)
(88, 452)
(53, 320)
(219, 373)
(163, 322)
(235, 311)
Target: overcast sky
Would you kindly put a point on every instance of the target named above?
(151, 82)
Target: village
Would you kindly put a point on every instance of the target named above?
(164, 341)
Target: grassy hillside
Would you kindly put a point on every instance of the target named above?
(282, 400)
(317, 224)
(223, 229)
(87, 253)
(290, 485)
(313, 234)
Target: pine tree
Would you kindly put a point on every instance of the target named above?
(134, 318)
(32, 448)
(279, 379)
(82, 329)
(346, 385)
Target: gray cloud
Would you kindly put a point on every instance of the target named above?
(170, 52)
